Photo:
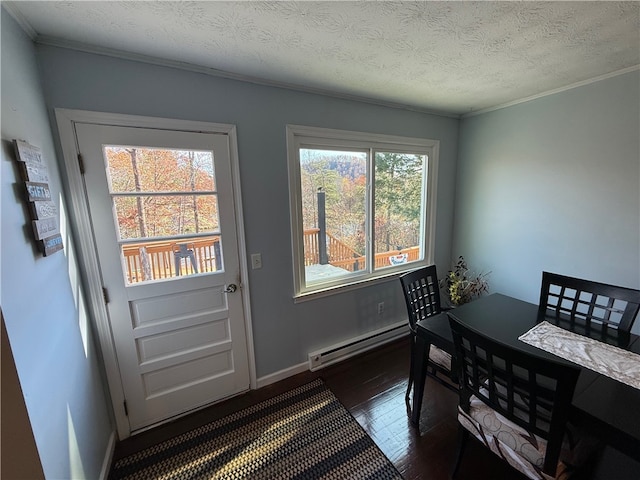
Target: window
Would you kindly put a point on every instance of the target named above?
(362, 206)
(166, 210)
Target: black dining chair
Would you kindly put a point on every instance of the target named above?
(516, 404)
(594, 309)
(422, 297)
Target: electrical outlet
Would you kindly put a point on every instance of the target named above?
(256, 261)
(380, 308)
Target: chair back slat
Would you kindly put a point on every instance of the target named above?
(530, 391)
(421, 294)
(591, 308)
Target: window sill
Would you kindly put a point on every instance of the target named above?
(342, 288)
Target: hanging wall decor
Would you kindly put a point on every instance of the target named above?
(43, 211)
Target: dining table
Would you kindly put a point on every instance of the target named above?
(604, 406)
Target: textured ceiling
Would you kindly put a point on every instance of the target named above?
(453, 57)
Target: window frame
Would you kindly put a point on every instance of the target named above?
(299, 136)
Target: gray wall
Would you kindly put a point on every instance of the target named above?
(553, 184)
(42, 301)
(284, 332)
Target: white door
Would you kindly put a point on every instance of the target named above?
(162, 214)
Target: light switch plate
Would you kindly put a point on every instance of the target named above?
(256, 261)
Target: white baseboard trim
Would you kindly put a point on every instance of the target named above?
(282, 374)
(397, 331)
(357, 345)
(108, 456)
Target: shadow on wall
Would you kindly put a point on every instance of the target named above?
(379, 306)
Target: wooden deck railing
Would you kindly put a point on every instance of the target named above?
(336, 250)
(383, 259)
(158, 260)
(343, 256)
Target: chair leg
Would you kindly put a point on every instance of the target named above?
(463, 436)
(454, 370)
(411, 371)
(421, 360)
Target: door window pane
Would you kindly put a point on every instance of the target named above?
(148, 216)
(146, 261)
(166, 210)
(144, 169)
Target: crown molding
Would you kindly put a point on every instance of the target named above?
(87, 48)
(14, 11)
(552, 92)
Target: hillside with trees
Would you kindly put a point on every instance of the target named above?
(342, 176)
(159, 193)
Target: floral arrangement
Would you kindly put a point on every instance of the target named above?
(461, 285)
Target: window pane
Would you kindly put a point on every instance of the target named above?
(399, 187)
(148, 261)
(165, 198)
(333, 185)
(165, 215)
(142, 169)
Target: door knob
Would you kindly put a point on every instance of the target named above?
(232, 287)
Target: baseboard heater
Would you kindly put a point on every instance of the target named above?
(343, 350)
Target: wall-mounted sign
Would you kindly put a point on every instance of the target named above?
(52, 244)
(28, 153)
(36, 173)
(43, 211)
(45, 228)
(40, 210)
(38, 191)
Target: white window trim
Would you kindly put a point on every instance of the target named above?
(349, 139)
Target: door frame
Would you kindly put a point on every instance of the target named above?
(81, 225)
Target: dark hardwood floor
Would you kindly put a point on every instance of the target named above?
(372, 387)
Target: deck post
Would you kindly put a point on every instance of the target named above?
(144, 262)
(217, 255)
(322, 226)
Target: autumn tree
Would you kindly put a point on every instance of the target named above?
(153, 186)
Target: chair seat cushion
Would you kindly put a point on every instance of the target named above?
(440, 357)
(521, 449)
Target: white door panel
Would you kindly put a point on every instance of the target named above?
(180, 339)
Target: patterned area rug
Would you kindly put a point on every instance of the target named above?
(302, 434)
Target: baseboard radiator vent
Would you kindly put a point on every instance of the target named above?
(343, 350)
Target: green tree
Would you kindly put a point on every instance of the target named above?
(398, 187)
